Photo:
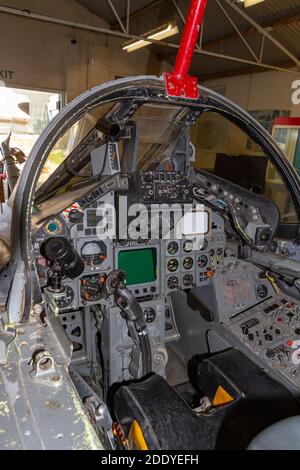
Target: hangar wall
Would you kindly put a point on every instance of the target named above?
(40, 55)
(47, 60)
(260, 91)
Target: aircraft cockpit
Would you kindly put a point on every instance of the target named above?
(150, 276)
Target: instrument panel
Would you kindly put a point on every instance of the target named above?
(167, 265)
(165, 186)
(270, 334)
(190, 263)
(246, 310)
(155, 268)
(237, 287)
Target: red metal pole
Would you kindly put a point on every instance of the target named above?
(178, 83)
(189, 38)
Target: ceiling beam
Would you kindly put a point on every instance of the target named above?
(241, 36)
(255, 27)
(263, 31)
(281, 22)
(116, 15)
(243, 71)
(49, 19)
(152, 5)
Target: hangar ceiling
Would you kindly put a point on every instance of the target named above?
(235, 39)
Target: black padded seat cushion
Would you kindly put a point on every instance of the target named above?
(166, 420)
(260, 400)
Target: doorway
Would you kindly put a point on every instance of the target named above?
(25, 114)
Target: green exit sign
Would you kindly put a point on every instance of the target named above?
(6, 74)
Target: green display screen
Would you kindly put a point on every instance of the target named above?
(139, 265)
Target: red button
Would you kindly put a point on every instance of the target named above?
(290, 343)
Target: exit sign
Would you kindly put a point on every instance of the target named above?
(6, 74)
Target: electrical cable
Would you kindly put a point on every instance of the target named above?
(234, 219)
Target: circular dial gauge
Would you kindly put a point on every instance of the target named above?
(65, 299)
(219, 251)
(173, 282)
(188, 280)
(94, 254)
(262, 291)
(188, 246)
(53, 227)
(90, 289)
(149, 314)
(188, 263)
(211, 252)
(202, 261)
(172, 265)
(205, 244)
(172, 248)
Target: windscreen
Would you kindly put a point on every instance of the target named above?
(160, 129)
(60, 164)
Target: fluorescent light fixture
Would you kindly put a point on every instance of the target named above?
(166, 32)
(135, 45)
(158, 34)
(250, 3)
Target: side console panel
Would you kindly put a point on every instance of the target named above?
(269, 333)
(237, 287)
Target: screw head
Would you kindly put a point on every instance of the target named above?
(56, 378)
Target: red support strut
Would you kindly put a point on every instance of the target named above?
(178, 82)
